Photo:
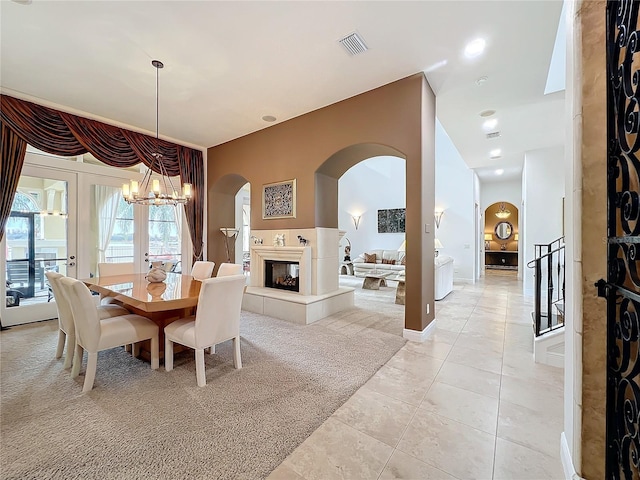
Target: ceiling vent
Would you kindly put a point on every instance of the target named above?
(353, 44)
(493, 135)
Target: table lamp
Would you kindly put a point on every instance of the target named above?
(487, 239)
(438, 245)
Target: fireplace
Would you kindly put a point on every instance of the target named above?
(282, 274)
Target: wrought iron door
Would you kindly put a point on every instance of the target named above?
(622, 288)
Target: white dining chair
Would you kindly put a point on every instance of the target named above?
(217, 320)
(226, 269)
(110, 269)
(95, 335)
(66, 327)
(202, 270)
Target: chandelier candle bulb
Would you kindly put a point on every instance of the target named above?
(134, 187)
(125, 190)
(156, 187)
(187, 190)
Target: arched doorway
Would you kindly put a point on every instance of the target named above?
(501, 239)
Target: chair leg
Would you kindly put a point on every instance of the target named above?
(127, 347)
(212, 350)
(135, 349)
(71, 347)
(155, 353)
(90, 374)
(61, 338)
(77, 361)
(168, 354)
(200, 376)
(237, 361)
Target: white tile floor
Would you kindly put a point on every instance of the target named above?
(467, 403)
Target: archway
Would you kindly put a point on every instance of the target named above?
(501, 237)
(223, 199)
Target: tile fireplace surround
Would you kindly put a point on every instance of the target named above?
(320, 294)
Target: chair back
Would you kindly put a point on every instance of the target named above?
(202, 270)
(218, 312)
(85, 313)
(65, 316)
(110, 269)
(227, 269)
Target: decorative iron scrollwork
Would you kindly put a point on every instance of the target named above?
(622, 288)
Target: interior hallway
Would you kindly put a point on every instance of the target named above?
(467, 403)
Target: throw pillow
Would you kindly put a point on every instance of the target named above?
(369, 258)
(388, 262)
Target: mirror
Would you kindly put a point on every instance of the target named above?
(504, 230)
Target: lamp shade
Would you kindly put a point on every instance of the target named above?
(437, 243)
(515, 237)
(488, 237)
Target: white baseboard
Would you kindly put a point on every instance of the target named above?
(567, 463)
(417, 336)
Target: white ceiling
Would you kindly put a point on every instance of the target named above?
(227, 64)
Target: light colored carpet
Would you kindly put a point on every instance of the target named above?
(140, 423)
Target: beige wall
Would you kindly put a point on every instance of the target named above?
(591, 15)
(316, 149)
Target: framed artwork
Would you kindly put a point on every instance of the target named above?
(391, 220)
(279, 200)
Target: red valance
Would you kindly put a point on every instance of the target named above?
(64, 134)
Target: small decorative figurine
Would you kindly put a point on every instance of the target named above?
(157, 273)
(278, 240)
(256, 240)
(303, 241)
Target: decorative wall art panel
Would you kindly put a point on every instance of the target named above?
(391, 220)
(279, 200)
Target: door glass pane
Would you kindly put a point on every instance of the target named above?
(36, 239)
(165, 235)
(112, 227)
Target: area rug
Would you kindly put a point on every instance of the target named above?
(140, 423)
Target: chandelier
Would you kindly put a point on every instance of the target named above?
(502, 212)
(156, 191)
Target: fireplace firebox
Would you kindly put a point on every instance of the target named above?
(282, 274)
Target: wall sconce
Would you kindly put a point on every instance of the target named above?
(228, 233)
(437, 215)
(515, 237)
(487, 239)
(356, 220)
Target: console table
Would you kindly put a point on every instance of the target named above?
(501, 259)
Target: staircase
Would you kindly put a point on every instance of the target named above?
(549, 298)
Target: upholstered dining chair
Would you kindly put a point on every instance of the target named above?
(95, 335)
(226, 269)
(202, 270)
(66, 327)
(110, 269)
(217, 320)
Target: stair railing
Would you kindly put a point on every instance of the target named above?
(549, 286)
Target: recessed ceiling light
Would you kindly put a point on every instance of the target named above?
(495, 153)
(499, 171)
(490, 124)
(269, 118)
(487, 113)
(474, 48)
(481, 81)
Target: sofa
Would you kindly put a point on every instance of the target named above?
(387, 261)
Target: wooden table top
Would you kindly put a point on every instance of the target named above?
(176, 292)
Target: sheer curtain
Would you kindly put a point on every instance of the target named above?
(107, 199)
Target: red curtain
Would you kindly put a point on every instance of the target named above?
(63, 134)
(13, 150)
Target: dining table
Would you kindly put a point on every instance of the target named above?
(161, 302)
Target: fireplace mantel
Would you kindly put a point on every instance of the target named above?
(302, 255)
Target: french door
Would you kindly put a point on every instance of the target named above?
(39, 237)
